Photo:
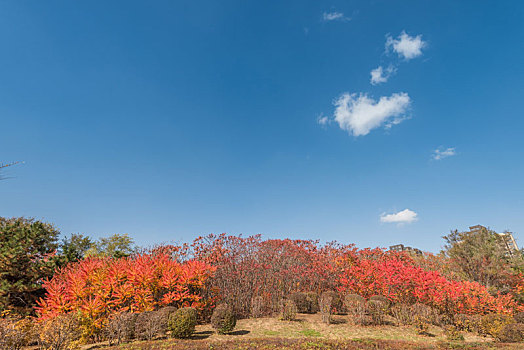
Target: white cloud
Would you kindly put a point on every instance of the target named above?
(440, 153)
(380, 75)
(334, 16)
(359, 114)
(405, 216)
(406, 46)
(323, 120)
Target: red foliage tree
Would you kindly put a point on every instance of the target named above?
(98, 287)
(250, 267)
(396, 275)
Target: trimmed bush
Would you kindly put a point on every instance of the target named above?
(355, 305)
(288, 310)
(424, 313)
(377, 310)
(259, 307)
(519, 317)
(182, 323)
(402, 314)
(493, 324)
(382, 299)
(325, 303)
(468, 323)
(61, 332)
(163, 315)
(223, 319)
(121, 327)
(421, 325)
(312, 298)
(453, 334)
(444, 320)
(301, 301)
(148, 325)
(512, 333)
(15, 333)
(337, 306)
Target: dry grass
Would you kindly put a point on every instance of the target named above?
(308, 332)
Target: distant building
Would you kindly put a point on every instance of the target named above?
(402, 248)
(507, 240)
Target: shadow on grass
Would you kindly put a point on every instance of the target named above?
(338, 320)
(239, 332)
(201, 335)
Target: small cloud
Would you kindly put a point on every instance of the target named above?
(406, 46)
(306, 30)
(334, 16)
(380, 75)
(359, 114)
(405, 216)
(323, 120)
(441, 153)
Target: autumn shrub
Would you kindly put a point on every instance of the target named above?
(164, 314)
(377, 310)
(337, 304)
(396, 276)
(121, 327)
(421, 325)
(259, 307)
(307, 303)
(424, 313)
(249, 267)
(15, 333)
(512, 333)
(312, 298)
(468, 323)
(102, 286)
(223, 319)
(452, 333)
(325, 303)
(60, 332)
(493, 324)
(519, 317)
(288, 310)
(301, 301)
(444, 320)
(382, 299)
(182, 323)
(402, 314)
(148, 325)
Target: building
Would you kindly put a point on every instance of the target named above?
(402, 248)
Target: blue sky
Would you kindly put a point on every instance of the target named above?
(168, 120)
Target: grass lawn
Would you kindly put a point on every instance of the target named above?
(308, 332)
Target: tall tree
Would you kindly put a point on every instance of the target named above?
(115, 246)
(480, 256)
(27, 257)
(74, 248)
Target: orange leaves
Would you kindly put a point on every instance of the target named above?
(100, 286)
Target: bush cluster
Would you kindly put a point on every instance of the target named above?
(288, 310)
(326, 308)
(453, 333)
(182, 323)
(493, 324)
(16, 333)
(223, 319)
(512, 333)
(259, 307)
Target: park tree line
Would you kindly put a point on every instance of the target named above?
(31, 251)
